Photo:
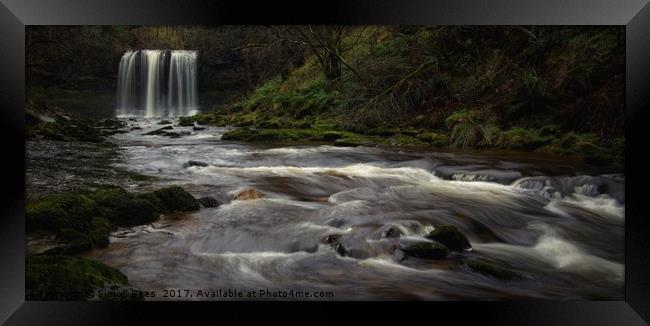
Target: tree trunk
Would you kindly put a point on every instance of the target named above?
(332, 67)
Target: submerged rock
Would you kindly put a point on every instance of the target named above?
(493, 269)
(340, 249)
(449, 236)
(331, 238)
(195, 163)
(425, 250)
(391, 232)
(164, 122)
(248, 194)
(159, 131)
(209, 201)
(197, 128)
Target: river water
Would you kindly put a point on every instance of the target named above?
(559, 223)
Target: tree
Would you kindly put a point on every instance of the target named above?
(325, 42)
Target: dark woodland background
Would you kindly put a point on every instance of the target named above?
(556, 89)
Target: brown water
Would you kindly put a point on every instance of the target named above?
(560, 223)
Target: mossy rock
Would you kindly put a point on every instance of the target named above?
(331, 135)
(243, 134)
(381, 132)
(186, 121)
(152, 199)
(60, 211)
(302, 125)
(270, 124)
(264, 135)
(77, 242)
(100, 228)
(410, 131)
(425, 250)
(68, 278)
(124, 209)
(493, 269)
(434, 138)
(405, 140)
(176, 199)
(450, 236)
(209, 201)
(111, 124)
(353, 140)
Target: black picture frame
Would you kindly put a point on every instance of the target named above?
(634, 14)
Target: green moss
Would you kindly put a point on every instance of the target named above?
(68, 278)
(382, 131)
(434, 138)
(60, 211)
(520, 138)
(176, 199)
(263, 135)
(353, 140)
(409, 131)
(76, 241)
(152, 199)
(100, 229)
(331, 135)
(186, 121)
(124, 209)
(404, 140)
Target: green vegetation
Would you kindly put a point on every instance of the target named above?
(175, 199)
(122, 208)
(64, 126)
(51, 277)
(520, 88)
(556, 89)
(84, 220)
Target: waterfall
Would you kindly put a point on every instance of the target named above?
(160, 83)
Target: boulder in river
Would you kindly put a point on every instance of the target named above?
(425, 250)
(176, 199)
(340, 249)
(195, 163)
(332, 135)
(450, 236)
(159, 131)
(165, 122)
(248, 194)
(493, 269)
(209, 201)
(331, 238)
(197, 128)
(391, 232)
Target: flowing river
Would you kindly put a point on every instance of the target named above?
(559, 223)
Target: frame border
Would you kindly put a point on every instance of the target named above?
(634, 14)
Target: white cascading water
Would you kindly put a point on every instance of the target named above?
(157, 83)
